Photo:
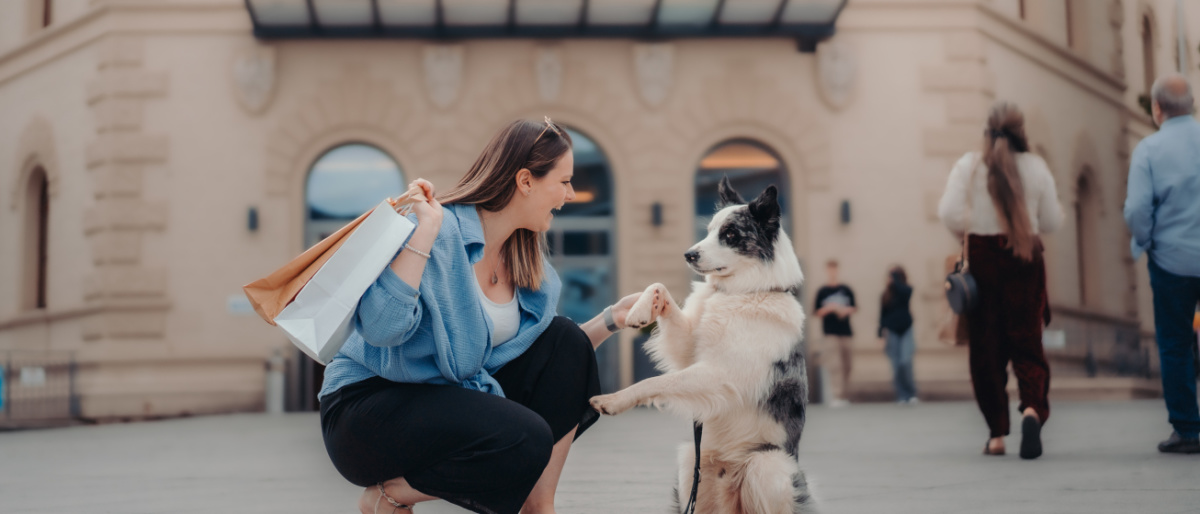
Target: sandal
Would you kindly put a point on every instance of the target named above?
(987, 449)
(395, 504)
(1031, 438)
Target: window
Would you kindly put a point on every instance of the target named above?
(37, 218)
(345, 182)
(1087, 245)
(1147, 52)
(47, 12)
(1021, 9)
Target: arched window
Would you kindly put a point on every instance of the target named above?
(1147, 52)
(1087, 246)
(37, 218)
(345, 182)
(750, 166)
(581, 248)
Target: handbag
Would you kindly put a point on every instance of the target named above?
(314, 297)
(961, 291)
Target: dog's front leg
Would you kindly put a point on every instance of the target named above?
(672, 343)
(698, 391)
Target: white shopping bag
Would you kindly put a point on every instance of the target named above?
(320, 319)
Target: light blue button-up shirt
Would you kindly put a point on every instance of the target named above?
(1162, 207)
(439, 334)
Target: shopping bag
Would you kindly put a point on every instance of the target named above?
(314, 297)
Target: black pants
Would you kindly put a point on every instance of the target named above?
(476, 450)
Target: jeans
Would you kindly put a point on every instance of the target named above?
(900, 349)
(1175, 300)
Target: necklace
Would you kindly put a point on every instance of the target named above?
(496, 279)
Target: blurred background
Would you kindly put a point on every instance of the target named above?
(156, 155)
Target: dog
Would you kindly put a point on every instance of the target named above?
(732, 359)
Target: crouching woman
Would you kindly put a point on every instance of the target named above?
(459, 381)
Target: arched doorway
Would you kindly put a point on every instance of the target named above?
(581, 248)
(344, 182)
(751, 167)
(1087, 244)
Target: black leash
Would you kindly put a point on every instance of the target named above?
(697, 427)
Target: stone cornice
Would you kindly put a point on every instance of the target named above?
(125, 17)
(39, 316)
(1020, 38)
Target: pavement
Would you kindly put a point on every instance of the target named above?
(866, 458)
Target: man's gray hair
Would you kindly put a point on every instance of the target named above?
(1173, 95)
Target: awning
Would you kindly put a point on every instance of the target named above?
(807, 21)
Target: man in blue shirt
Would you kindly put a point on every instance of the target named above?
(1163, 212)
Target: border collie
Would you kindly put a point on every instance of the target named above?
(732, 359)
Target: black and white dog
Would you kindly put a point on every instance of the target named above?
(732, 358)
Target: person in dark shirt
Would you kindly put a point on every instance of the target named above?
(835, 304)
(896, 331)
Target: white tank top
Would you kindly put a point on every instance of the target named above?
(506, 317)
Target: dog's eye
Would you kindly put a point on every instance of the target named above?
(729, 236)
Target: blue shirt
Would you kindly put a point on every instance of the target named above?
(439, 334)
(1162, 207)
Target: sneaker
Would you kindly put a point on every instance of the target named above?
(913, 401)
(1177, 444)
(838, 403)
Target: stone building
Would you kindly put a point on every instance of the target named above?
(156, 155)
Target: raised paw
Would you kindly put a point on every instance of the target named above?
(648, 307)
(610, 404)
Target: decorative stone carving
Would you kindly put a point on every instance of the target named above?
(443, 73)
(548, 68)
(653, 65)
(254, 78)
(836, 71)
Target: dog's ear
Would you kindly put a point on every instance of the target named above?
(765, 208)
(727, 195)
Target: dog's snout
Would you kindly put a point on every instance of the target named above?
(692, 256)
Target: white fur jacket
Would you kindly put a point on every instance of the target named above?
(1041, 197)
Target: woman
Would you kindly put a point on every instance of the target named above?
(896, 328)
(459, 381)
(1003, 197)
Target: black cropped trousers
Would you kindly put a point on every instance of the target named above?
(476, 450)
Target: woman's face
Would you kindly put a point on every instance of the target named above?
(548, 194)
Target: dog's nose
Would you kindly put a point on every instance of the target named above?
(692, 256)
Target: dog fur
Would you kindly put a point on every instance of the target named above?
(733, 359)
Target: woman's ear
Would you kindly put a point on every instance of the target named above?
(524, 181)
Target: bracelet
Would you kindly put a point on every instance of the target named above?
(416, 251)
(609, 321)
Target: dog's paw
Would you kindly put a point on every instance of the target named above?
(644, 310)
(610, 404)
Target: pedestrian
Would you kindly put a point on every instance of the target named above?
(1000, 199)
(835, 304)
(459, 381)
(1163, 213)
(896, 334)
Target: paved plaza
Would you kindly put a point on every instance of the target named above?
(877, 458)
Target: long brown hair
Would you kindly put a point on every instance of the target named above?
(1003, 138)
(491, 183)
(895, 275)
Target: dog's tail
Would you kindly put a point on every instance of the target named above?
(767, 483)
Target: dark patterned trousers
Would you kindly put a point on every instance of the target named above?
(1006, 326)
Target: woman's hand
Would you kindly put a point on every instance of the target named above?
(424, 204)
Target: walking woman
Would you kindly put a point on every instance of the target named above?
(1001, 199)
(896, 329)
(460, 382)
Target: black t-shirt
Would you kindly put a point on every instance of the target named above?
(835, 295)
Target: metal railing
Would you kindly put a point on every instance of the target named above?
(37, 388)
(1102, 344)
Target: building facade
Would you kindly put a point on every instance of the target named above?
(155, 156)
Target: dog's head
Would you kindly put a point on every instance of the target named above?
(745, 246)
